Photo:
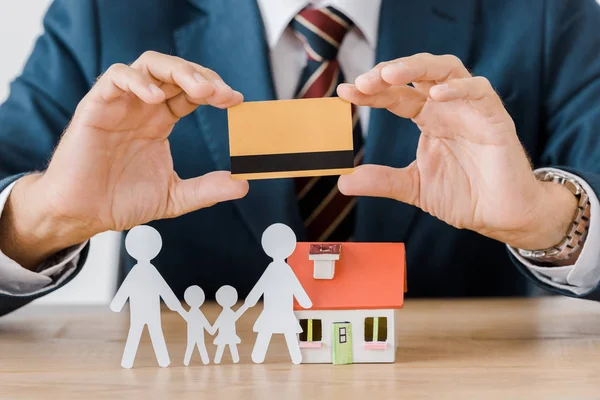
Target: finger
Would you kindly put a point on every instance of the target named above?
(171, 90)
(222, 97)
(462, 89)
(182, 104)
(193, 194)
(403, 101)
(400, 184)
(174, 70)
(477, 90)
(120, 79)
(423, 86)
(371, 82)
(200, 85)
(424, 67)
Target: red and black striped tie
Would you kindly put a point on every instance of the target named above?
(327, 214)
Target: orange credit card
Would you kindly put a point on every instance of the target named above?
(291, 138)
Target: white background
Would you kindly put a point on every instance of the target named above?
(20, 24)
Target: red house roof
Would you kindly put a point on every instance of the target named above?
(367, 276)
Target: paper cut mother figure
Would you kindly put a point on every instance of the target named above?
(144, 287)
(279, 285)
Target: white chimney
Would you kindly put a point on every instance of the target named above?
(324, 257)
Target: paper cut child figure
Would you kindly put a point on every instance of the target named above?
(197, 323)
(279, 285)
(144, 287)
(226, 297)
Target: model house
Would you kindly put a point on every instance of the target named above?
(356, 290)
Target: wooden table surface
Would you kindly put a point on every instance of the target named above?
(501, 348)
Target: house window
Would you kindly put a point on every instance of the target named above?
(376, 329)
(312, 330)
(343, 336)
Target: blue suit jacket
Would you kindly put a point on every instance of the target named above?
(541, 56)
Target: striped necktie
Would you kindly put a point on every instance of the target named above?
(327, 214)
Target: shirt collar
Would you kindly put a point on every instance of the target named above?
(277, 14)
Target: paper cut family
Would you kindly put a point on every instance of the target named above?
(365, 289)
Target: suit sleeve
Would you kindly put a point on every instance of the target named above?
(571, 95)
(59, 72)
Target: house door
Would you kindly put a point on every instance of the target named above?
(342, 343)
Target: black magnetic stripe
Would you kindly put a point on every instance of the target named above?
(292, 162)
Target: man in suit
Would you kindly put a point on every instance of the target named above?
(443, 156)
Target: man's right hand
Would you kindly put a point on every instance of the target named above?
(113, 169)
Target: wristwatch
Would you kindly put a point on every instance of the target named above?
(577, 232)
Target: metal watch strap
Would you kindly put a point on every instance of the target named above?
(577, 232)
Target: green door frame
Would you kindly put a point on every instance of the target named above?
(341, 343)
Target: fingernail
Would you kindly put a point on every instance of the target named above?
(372, 74)
(220, 84)
(154, 89)
(442, 88)
(396, 67)
(199, 78)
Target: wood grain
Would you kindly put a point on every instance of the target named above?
(504, 348)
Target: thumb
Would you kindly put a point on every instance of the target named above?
(205, 191)
(400, 184)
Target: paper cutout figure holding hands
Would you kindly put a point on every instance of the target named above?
(144, 287)
(197, 323)
(226, 297)
(279, 285)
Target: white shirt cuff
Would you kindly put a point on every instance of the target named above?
(584, 275)
(18, 281)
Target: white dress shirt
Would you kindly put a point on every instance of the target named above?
(18, 281)
(356, 56)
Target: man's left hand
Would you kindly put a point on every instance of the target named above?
(471, 170)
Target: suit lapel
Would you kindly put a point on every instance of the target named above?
(227, 36)
(407, 28)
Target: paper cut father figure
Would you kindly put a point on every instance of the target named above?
(197, 323)
(279, 285)
(144, 287)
